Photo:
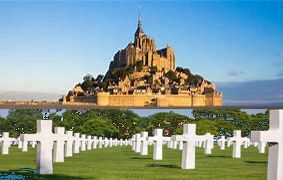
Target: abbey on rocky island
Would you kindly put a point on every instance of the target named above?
(141, 75)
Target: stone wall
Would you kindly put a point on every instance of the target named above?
(213, 99)
(152, 100)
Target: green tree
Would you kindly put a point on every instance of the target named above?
(22, 121)
(126, 122)
(260, 121)
(205, 126)
(57, 120)
(171, 76)
(99, 126)
(225, 127)
(231, 119)
(3, 125)
(88, 82)
(195, 80)
(169, 121)
(72, 120)
(184, 70)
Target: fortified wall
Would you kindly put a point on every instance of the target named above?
(149, 100)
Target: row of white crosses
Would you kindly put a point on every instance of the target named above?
(187, 143)
(140, 143)
(53, 147)
(237, 140)
(260, 139)
(73, 143)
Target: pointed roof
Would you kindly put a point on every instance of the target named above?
(139, 29)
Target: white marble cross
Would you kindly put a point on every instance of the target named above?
(138, 143)
(144, 143)
(44, 149)
(88, 142)
(255, 144)
(228, 142)
(246, 142)
(180, 145)
(237, 142)
(170, 144)
(83, 142)
(175, 144)
(198, 144)
(94, 142)
(221, 142)
(261, 147)
(158, 139)
(115, 142)
(189, 139)
(24, 146)
(100, 142)
(33, 144)
(20, 143)
(58, 150)
(126, 142)
(133, 142)
(150, 143)
(77, 143)
(69, 144)
(106, 142)
(273, 135)
(110, 142)
(209, 142)
(6, 141)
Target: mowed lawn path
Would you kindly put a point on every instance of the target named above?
(123, 163)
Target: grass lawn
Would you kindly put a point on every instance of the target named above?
(123, 163)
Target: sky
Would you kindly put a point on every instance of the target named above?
(47, 47)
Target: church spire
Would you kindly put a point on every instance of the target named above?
(139, 19)
(139, 32)
(139, 29)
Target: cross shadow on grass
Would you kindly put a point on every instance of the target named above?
(256, 162)
(212, 156)
(163, 165)
(29, 174)
(140, 158)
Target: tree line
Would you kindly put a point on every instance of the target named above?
(117, 123)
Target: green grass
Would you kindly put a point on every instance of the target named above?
(122, 163)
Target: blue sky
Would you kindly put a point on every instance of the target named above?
(49, 46)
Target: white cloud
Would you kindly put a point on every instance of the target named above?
(235, 73)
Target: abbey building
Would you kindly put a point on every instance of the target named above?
(140, 75)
